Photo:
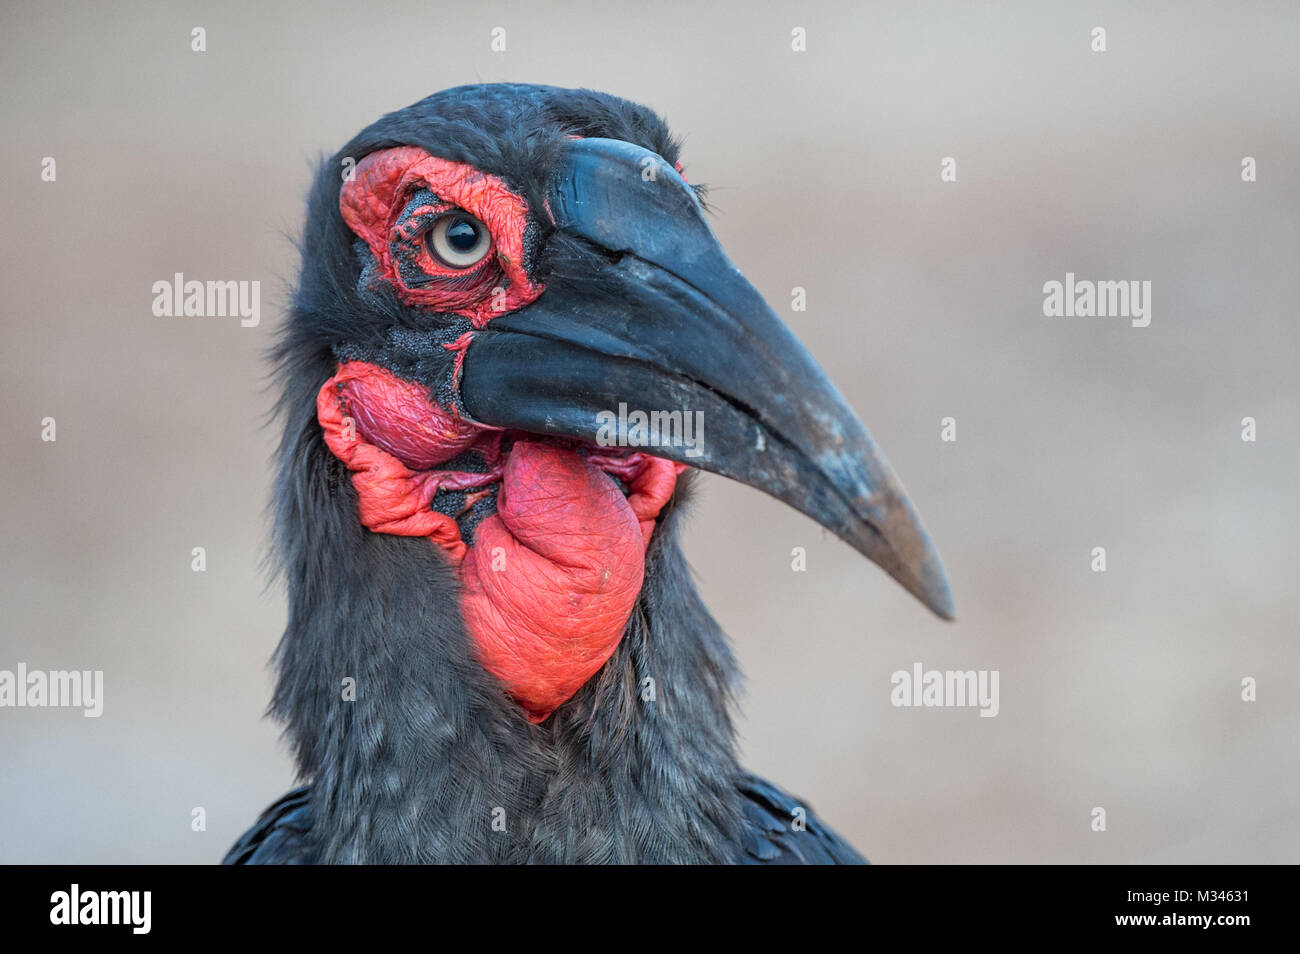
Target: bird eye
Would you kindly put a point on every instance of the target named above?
(459, 240)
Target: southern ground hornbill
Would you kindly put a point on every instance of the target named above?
(495, 652)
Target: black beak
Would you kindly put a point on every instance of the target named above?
(663, 321)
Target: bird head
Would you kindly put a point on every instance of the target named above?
(517, 331)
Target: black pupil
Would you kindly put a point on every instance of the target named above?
(462, 235)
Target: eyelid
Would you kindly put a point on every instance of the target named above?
(416, 219)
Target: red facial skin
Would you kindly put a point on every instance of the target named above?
(373, 201)
(553, 575)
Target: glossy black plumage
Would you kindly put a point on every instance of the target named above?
(431, 753)
(281, 835)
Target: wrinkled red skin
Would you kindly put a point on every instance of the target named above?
(554, 575)
(372, 202)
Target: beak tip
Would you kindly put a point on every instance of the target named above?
(933, 590)
(902, 547)
(912, 560)
(944, 608)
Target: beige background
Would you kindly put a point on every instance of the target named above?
(1119, 690)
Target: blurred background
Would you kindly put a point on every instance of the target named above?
(1119, 689)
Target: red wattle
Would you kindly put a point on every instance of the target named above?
(397, 416)
(553, 576)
